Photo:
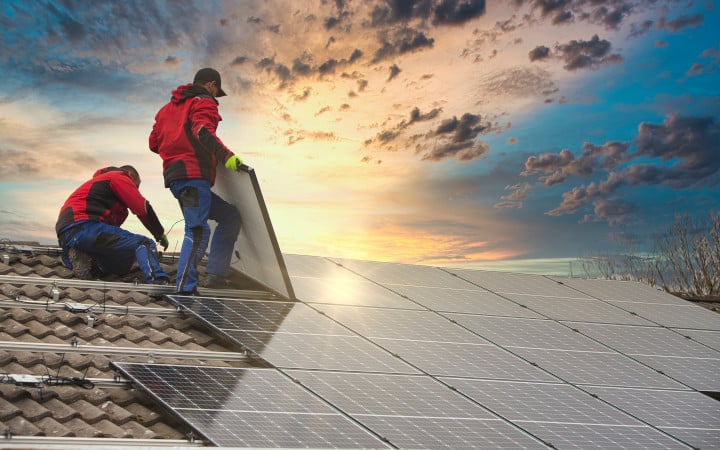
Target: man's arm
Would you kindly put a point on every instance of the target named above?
(205, 118)
(128, 193)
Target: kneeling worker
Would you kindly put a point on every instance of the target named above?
(88, 228)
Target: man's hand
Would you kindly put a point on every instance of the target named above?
(233, 163)
(164, 241)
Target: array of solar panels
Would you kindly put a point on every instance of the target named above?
(391, 355)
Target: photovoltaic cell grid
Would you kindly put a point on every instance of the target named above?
(532, 330)
(292, 335)
(249, 407)
(415, 411)
(564, 416)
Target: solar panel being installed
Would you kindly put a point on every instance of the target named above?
(423, 358)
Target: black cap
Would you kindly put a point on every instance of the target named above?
(206, 75)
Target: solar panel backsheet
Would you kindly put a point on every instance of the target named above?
(423, 357)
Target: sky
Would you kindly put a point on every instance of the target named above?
(516, 135)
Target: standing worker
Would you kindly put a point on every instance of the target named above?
(88, 227)
(184, 137)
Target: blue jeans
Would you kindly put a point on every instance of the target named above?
(198, 204)
(113, 249)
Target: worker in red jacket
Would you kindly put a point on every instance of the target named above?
(184, 137)
(88, 227)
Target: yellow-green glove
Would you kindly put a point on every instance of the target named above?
(233, 163)
(164, 241)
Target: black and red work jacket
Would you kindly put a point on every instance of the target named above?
(106, 197)
(184, 135)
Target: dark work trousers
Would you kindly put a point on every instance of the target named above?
(199, 204)
(113, 249)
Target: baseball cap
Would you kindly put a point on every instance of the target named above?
(208, 74)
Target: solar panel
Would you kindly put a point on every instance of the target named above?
(516, 283)
(561, 414)
(464, 360)
(308, 351)
(399, 324)
(575, 309)
(248, 407)
(587, 436)
(258, 315)
(599, 368)
(681, 414)
(403, 274)
(414, 411)
(256, 247)
(680, 316)
(625, 291)
(698, 373)
(470, 301)
(709, 338)
(530, 333)
(637, 340)
(348, 291)
(523, 356)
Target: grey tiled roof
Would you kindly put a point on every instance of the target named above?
(38, 336)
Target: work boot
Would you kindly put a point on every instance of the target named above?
(212, 281)
(82, 264)
(162, 281)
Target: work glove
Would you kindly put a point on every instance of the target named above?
(233, 163)
(164, 241)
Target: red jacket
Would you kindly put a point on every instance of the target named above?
(106, 198)
(184, 135)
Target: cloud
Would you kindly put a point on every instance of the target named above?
(579, 54)
(680, 153)
(680, 22)
(538, 53)
(394, 71)
(401, 41)
(443, 12)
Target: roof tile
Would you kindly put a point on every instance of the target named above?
(13, 328)
(53, 428)
(8, 410)
(21, 426)
(166, 430)
(89, 412)
(117, 414)
(82, 428)
(109, 429)
(143, 414)
(32, 410)
(37, 329)
(61, 412)
(137, 431)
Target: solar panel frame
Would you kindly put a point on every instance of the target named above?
(641, 340)
(698, 373)
(307, 351)
(258, 399)
(352, 292)
(399, 324)
(623, 291)
(601, 437)
(389, 274)
(469, 301)
(527, 333)
(598, 368)
(579, 310)
(674, 316)
(464, 360)
(517, 283)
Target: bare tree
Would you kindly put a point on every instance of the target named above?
(685, 260)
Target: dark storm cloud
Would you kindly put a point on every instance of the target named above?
(394, 71)
(440, 12)
(455, 12)
(539, 52)
(462, 151)
(680, 22)
(692, 143)
(401, 41)
(680, 153)
(579, 54)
